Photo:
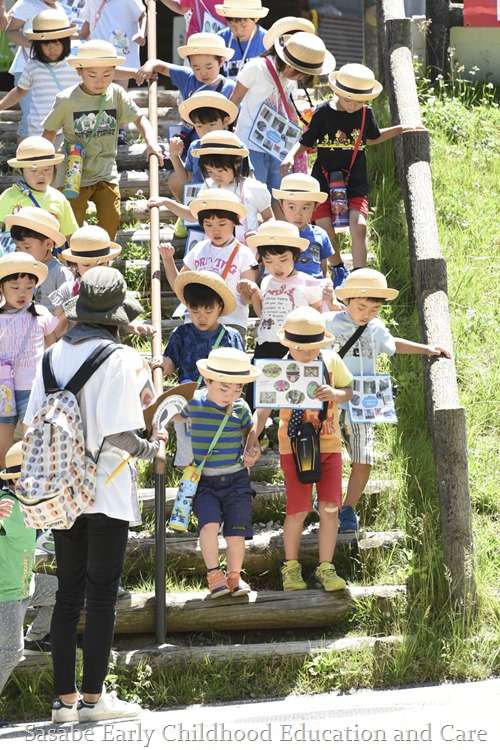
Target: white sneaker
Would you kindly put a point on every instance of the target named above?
(62, 713)
(109, 706)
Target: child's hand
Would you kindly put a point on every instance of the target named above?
(166, 250)
(411, 128)
(246, 287)
(155, 202)
(176, 146)
(6, 507)
(251, 452)
(139, 39)
(286, 165)
(146, 72)
(154, 149)
(139, 328)
(328, 393)
(157, 434)
(438, 351)
(156, 362)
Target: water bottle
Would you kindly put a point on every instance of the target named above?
(338, 200)
(179, 518)
(74, 168)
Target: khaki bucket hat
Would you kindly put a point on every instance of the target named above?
(103, 299)
(20, 262)
(39, 220)
(13, 461)
(304, 329)
(366, 282)
(35, 151)
(51, 24)
(91, 243)
(275, 232)
(228, 365)
(96, 54)
(220, 142)
(305, 52)
(219, 198)
(207, 99)
(205, 44)
(210, 279)
(355, 81)
(299, 187)
(287, 25)
(242, 9)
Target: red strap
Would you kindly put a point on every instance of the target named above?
(227, 267)
(281, 92)
(358, 143)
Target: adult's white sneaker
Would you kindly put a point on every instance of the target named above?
(109, 706)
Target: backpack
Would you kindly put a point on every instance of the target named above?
(58, 478)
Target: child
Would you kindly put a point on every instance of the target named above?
(36, 159)
(36, 232)
(364, 294)
(243, 34)
(206, 297)
(203, 14)
(20, 588)
(304, 335)
(26, 330)
(336, 127)
(219, 213)
(224, 492)
(298, 196)
(270, 80)
(89, 114)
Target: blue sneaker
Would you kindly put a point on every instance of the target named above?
(348, 520)
(340, 274)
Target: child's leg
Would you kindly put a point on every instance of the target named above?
(176, 185)
(326, 224)
(329, 491)
(358, 440)
(235, 553)
(11, 637)
(44, 598)
(360, 474)
(107, 201)
(292, 533)
(209, 545)
(357, 226)
(6, 439)
(80, 203)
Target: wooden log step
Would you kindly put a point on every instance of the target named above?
(164, 98)
(133, 183)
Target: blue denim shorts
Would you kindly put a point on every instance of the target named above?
(266, 169)
(226, 499)
(22, 398)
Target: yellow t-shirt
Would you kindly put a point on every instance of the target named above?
(330, 442)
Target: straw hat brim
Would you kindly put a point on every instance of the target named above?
(327, 66)
(256, 241)
(13, 265)
(203, 204)
(223, 377)
(41, 36)
(37, 226)
(115, 252)
(366, 291)
(287, 26)
(303, 346)
(188, 49)
(121, 314)
(95, 62)
(299, 195)
(207, 279)
(189, 105)
(186, 390)
(205, 150)
(6, 474)
(361, 97)
(241, 12)
(42, 162)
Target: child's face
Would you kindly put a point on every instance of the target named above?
(95, 80)
(202, 128)
(38, 178)
(348, 105)
(205, 68)
(52, 50)
(293, 74)
(86, 265)
(40, 250)
(298, 212)
(17, 292)
(218, 231)
(305, 355)
(279, 266)
(223, 394)
(242, 28)
(223, 176)
(362, 311)
(205, 318)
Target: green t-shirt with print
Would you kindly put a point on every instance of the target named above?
(17, 555)
(52, 200)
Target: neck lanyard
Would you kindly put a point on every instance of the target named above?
(245, 53)
(52, 73)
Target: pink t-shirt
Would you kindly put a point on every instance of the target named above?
(200, 8)
(13, 329)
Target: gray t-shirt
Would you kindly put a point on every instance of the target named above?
(58, 275)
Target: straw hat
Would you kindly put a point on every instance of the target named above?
(355, 81)
(13, 460)
(228, 365)
(304, 329)
(299, 187)
(103, 299)
(51, 24)
(39, 220)
(91, 243)
(185, 391)
(366, 282)
(205, 44)
(20, 262)
(305, 52)
(287, 25)
(35, 151)
(242, 9)
(95, 54)
(219, 198)
(210, 279)
(207, 99)
(220, 142)
(275, 232)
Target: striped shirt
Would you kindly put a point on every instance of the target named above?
(205, 419)
(37, 77)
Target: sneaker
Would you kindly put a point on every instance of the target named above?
(264, 444)
(45, 542)
(348, 520)
(327, 577)
(122, 137)
(237, 586)
(62, 712)
(291, 573)
(180, 230)
(109, 706)
(339, 275)
(217, 583)
(42, 644)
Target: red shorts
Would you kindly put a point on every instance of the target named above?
(329, 488)
(358, 203)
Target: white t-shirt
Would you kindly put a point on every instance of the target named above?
(261, 88)
(207, 257)
(26, 10)
(109, 403)
(14, 326)
(116, 24)
(254, 195)
(37, 77)
(281, 297)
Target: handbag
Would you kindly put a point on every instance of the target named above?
(305, 442)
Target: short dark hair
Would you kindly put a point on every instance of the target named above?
(22, 233)
(220, 60)
(264, 250)
(280, 66)
(205, 115)
(15, 277)
(201, 295)
(38, 54)
(238, 164)
(369, 299)
(218, 213)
